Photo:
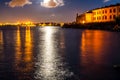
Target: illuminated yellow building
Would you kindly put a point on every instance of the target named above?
(103, 14)
(85, 17)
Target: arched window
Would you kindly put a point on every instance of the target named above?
(110, 17)
(114, 16)
(114, 10)
(105, 17)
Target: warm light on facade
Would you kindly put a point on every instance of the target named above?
(104, 14)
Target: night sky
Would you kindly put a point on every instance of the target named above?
(47, 10)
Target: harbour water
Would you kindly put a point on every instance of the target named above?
(54, 53)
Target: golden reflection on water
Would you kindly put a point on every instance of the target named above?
(23, 55)
(18, 45)
(1, 38)
(93, 46)
(28, 45)
(1, 45)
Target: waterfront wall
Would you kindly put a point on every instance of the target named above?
(110, 26)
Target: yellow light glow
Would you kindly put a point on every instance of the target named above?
(61, 24)
(1, 37)
(1, 45)
(25, 23)
(27, 52)
(18, 23)
(83, 22)
(28, 45)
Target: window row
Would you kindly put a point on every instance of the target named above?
(112, 10)
(105, 17)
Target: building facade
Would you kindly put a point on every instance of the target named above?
(103, 14)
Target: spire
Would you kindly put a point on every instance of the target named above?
(77, 14)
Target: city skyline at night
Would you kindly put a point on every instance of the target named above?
(47, 10)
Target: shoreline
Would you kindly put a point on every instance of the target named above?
(108, 26)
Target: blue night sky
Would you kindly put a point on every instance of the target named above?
(47, 10)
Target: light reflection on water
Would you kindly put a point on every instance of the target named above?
(53, 53)
(50, 64)
(23, 54)
(1, 45)
(98, 49)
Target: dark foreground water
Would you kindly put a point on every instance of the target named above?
(53, 53)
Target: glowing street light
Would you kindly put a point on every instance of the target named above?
(83, 22)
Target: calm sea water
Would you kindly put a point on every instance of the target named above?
(54, 53)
